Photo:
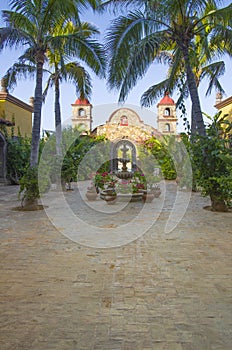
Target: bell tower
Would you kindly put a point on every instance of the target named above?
(167, 120)
(82, 114)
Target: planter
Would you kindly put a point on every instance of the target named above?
(109, 195)
(110, 199)
(91, 195)
(148, 197)
(130, 197)
(136, 197)
(156, 192)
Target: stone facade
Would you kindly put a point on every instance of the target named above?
(125, 122)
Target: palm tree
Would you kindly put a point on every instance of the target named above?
(73, 71)
(33, 24)
(136, 40)
(177, 79)
(62, 69)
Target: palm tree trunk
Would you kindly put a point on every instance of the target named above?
(194, 94)
(58, 118)
(37, 115)
(193, 123)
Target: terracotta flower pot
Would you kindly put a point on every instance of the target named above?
(148, 197)
(156, 192)
(110, 198)
(91, 195)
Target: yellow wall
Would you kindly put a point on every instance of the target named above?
(22, 117)
(227, 110)
(225, 106)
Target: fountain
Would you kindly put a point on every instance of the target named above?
(124, 173)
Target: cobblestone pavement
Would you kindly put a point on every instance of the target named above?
(161, 291)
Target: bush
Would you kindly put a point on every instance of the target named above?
(18, 157)
(168, 168)
(212, 160)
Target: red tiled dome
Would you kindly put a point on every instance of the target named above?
(85, 102)
(166, 100)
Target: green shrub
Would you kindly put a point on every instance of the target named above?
(168, 169)
(212, 160)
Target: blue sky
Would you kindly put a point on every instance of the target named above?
(105, 102)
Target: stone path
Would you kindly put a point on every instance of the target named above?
(161, 291)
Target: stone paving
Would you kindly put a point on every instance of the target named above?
(161, 291)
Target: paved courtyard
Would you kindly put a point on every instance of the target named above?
(157, 290)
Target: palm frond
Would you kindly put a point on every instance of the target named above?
(75, 73)
(151, 95)
(88, 50)
(130, 51)
(49, 83)
(213, 72)
(17, 72)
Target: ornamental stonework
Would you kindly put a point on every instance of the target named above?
(134, 133)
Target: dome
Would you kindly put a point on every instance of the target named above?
(166, 100)
(82, 102)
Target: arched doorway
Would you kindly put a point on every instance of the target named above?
(2, 158)
(123, 149)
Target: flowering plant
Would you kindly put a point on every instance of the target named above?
(136, 187)
(105, 179)
(138, 182)
(124, 187)
(131, 186)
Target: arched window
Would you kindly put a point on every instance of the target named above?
(167, 112)
(81, 112)
(167, 127)
(124, 120)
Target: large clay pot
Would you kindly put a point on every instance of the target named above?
(109, 195)
(91, 195)
(148, 197)
(156, 192)
(110, 199)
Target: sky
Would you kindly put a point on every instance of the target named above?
(104, 101)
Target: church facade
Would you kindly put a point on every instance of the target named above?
(125, 122)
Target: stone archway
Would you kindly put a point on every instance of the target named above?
(123, 149)
(2, 158)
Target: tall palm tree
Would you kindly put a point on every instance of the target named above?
(33, 24)
(176, 79)
(60, 68)
(135, 41)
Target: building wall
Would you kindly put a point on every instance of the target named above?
(227, 110)
(21, 112)
(225, 106)
(135, 133)
(126, 123)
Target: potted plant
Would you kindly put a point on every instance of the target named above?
(156, 190)
(153, 186)
(110, 196)
(91, 193)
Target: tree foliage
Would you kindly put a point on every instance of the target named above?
(212, 161)
(153, 30)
